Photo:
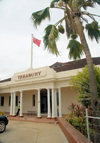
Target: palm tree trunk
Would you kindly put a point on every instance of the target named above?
(92, 79)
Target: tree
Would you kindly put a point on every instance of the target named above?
(74, 16)
(81, 83)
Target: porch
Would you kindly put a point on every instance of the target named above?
(37, 102)
(32, 118)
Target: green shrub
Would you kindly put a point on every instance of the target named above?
(81, 83)
(77, 118)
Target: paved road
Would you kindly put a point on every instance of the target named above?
(29, 132)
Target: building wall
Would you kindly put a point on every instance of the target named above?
(28, 101)
(6, 107)
(69, 95)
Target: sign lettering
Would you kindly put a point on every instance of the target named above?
(29, 75)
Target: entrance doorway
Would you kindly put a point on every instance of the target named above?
(43, 99)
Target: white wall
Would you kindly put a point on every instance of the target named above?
(68, 95)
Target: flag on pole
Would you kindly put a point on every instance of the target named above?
(36, 41)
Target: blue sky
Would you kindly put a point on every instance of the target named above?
(15, 37)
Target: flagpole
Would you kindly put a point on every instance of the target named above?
(31, 51)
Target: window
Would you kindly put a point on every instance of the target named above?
(2, 100)
(33, 100)
(16, 100)
(9, 100)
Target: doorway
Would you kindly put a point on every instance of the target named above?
(43, 99)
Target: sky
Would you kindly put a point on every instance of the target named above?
(16, 28)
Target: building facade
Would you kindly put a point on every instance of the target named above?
(42, 91)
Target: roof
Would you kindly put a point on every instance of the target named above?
(58, 66)
(5, 80)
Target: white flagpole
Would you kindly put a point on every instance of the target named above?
(31, 51)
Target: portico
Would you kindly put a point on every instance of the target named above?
(49, 107)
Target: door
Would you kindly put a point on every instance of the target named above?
(43, 95)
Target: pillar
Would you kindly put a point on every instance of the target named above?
(39, 115)
(11, 104)
(48, 97)
(14, 97)
(21, 103)
(60, 113)
(53, 104)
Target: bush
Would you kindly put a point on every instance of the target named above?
(77, 118)
(81, 83)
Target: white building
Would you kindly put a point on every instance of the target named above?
(41, 91)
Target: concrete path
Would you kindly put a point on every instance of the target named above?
(29, 132)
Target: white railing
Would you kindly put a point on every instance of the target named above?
(87, 123)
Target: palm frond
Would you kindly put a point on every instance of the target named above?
(52, 4)
(47, 33)
(55, 1)
(66, 1)
(96, 1)
(41, 15)
(84, 4)
(93, 30)
(75, 49)
(54, 33)
(52, 47)
(49, 39)
(88, 4)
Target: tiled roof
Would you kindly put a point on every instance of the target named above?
(58, 67)
(5, 80)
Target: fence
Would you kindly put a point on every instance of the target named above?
(88, 124)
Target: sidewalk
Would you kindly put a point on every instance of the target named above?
(31, 132)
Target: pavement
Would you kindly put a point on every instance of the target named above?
(31, 132)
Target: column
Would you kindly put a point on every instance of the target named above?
(60, 113)
(11, 104)
(53, 104)
(21, 103)
(48, 97)
(39, 115)
(14, 95)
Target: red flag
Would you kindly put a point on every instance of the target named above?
(36, 41)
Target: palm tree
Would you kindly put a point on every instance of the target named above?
(74, 16)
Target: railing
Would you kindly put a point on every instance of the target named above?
(87, 123)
